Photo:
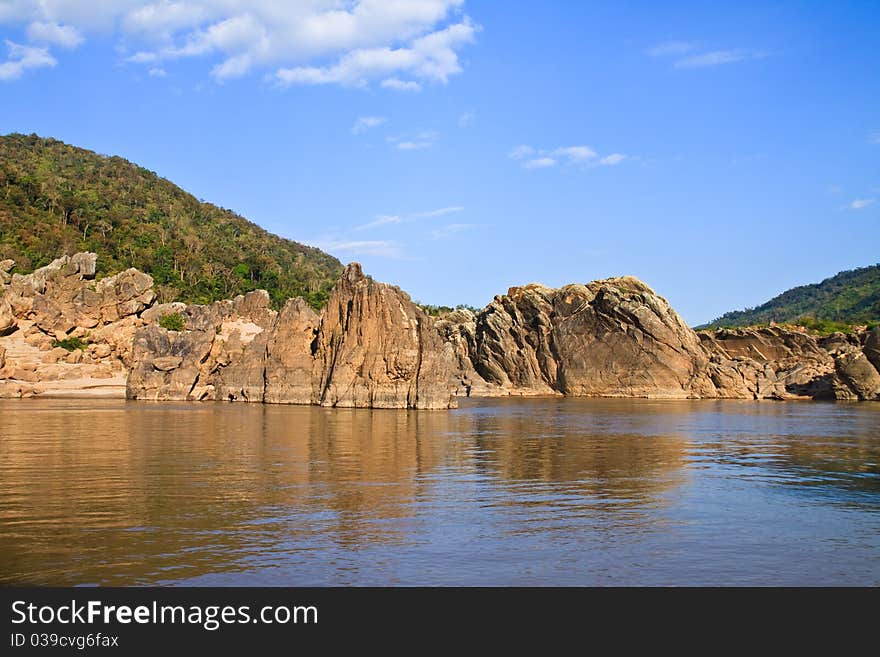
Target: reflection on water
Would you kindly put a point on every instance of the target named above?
(533, 491)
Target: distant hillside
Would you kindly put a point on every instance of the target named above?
(851, 297)
(56, 199)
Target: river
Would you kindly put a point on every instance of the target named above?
(499, 492)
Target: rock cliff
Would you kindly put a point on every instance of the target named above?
(371, 347)
(63, 332)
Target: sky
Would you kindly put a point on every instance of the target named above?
(722, 152)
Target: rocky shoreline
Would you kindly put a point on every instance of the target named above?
(63, 333)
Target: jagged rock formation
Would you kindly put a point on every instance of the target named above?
(372, 347)
(62, 332)
(62, 304)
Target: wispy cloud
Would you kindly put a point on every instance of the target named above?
(538, 158)
(874, 137)
(669, 48)
(575, 153)
(440, 212)
(157, 72)
(400, 85)
(364, 123)
(413, 145)
(862, 203)
(381, 220)
(21, 58)
(687, 54)
(451, 229)
(391, 219)
(466, 120)
(414, 142)
(520, 152)
(540, 163)
(716, 58)
(380, 248)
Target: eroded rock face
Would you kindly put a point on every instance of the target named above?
(291, 376)
(376, 348)
(610, 338)
(167, 363)
(371, 347)
(61, 303)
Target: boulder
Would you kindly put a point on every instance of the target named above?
(855, 377)
(166, 364)
(614, 337)
(872, 347)
(8, 323)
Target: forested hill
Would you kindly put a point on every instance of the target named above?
(57, 199)
(851, 297)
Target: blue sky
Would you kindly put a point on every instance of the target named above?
(722, 152)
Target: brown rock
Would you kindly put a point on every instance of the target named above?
(8, 323)
(856, 377)
(167, 363)
(290, 359)
(872, 347)
(375, 348)
(154, 314)
(156, 383)
(610, 338)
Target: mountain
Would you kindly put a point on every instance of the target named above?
(56, 198)
(850, 297)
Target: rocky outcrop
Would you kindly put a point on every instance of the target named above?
(376, 348)
(290, 356)
(372, 347)
(64, 332)
(614, 338)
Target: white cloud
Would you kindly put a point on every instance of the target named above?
(22, 58)
(413, 141)
(520, 152)
(536, 158)
(440, 212)
(670, 48)
(393, 219)
(450, 230)
(400, 85)
(861, 203)
(715, 58)
(157, 72)
(364, 123)
(54, 34)
(380, 248)
(413, 145)
(540, 163)
(706, 59)
(381, 220)
(466, 120)
(431, 57)
(351, 42)
(576, 153)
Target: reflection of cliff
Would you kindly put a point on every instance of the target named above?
(596, 453)
(123, 493)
